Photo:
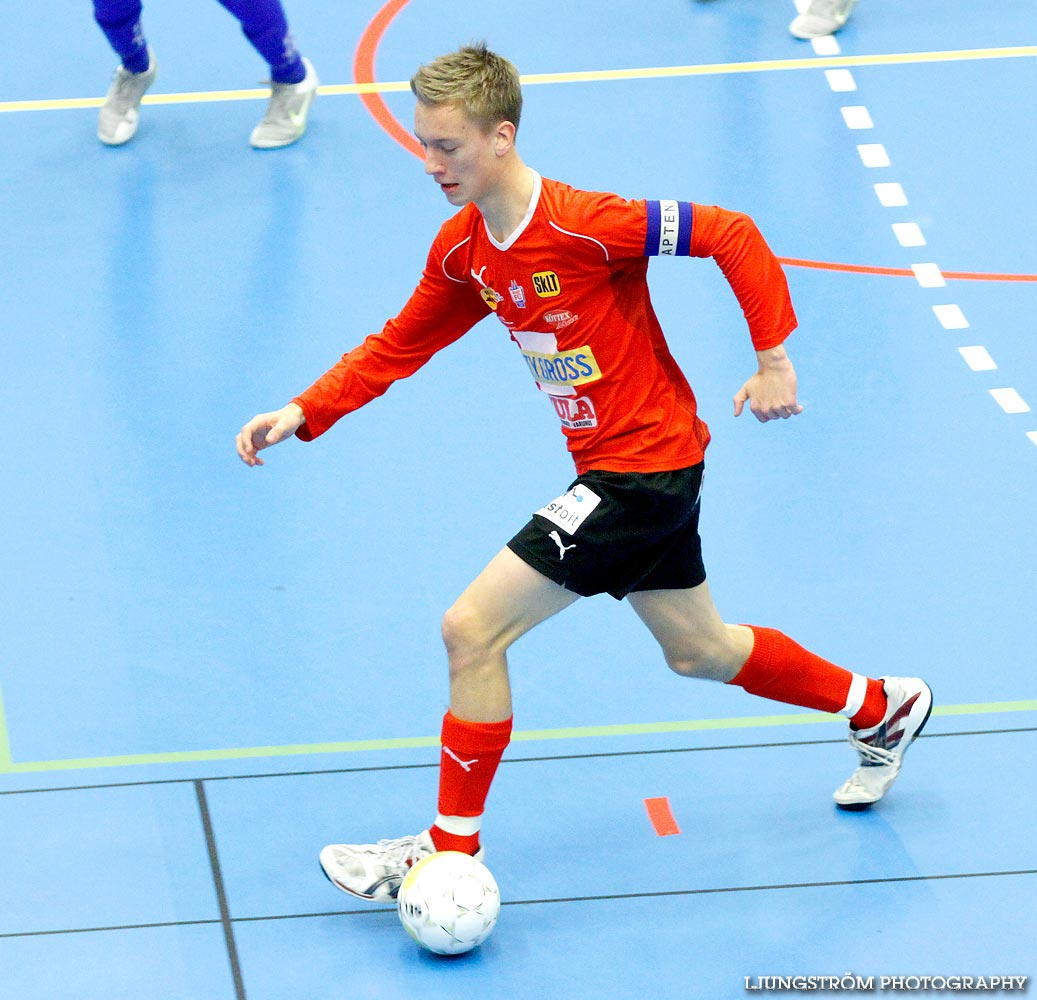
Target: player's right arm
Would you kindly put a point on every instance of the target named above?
(441, 309)
(266, 429)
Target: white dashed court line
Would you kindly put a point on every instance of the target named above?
(908, 234)
(827, 45)
(841, 80)
(873, 154)
(1010, 401)
(891, 194)
(929, 275)
(951, 317)
(978, 359)
(857, 117)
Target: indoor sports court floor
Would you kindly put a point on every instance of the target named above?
(208, 672)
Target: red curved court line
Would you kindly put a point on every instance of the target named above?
(902, 272)
(363, 72)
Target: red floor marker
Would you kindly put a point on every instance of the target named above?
(661, 816)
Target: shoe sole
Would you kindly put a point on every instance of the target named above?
(861, 806)
(115, 143)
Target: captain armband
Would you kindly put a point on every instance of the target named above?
(669, 229)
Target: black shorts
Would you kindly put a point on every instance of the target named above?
(619, 532)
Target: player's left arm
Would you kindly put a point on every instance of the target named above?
(758, 281)
(687, 229)
(771, 391)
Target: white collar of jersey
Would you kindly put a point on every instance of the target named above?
(521, 227)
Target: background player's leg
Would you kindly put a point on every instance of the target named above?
(266, 27)
(119, 115)
(293, 78)
(120, 22)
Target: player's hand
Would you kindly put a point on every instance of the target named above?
(771, 392)
(266, 429)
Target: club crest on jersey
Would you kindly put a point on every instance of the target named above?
(546, 284)
(490, 297)
(517, 293)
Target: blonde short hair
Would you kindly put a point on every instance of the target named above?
(481, 83)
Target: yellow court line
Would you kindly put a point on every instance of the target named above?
(5, 741)
(770, 65)
(200, 97)
(421, 742)
(587, 76)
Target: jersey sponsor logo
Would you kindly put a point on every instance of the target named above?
(546, 284)
(669, 229)
(517, 293)
(571, 509)
(563, 368)
(575, 414)
(560, 318)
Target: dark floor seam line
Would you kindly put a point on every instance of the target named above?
(716, 890)
(894, 880)
(375, 910)
(114, 927)
(221, 894)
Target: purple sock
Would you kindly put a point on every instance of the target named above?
(266, 27)
(120, 22)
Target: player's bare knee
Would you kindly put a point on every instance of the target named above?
(704, 663)
(687, 665)
(465, 635)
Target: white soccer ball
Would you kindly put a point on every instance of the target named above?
(449, 902)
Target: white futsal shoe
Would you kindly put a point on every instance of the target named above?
(375, 871)
(881, 749)
(120, 115)
(821, 18)
(285, 118)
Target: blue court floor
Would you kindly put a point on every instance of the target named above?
(207, 671)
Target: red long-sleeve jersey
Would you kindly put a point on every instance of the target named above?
(570, 286)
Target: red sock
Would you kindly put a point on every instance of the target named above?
(782, 670)
(467, 764)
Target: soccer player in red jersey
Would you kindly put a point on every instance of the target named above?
(564, 271)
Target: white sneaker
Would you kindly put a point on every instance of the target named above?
(375, 871)
(881, 749)
(822, 17)
(285, 118)
(118, 119)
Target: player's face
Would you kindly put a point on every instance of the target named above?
(459, 156)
